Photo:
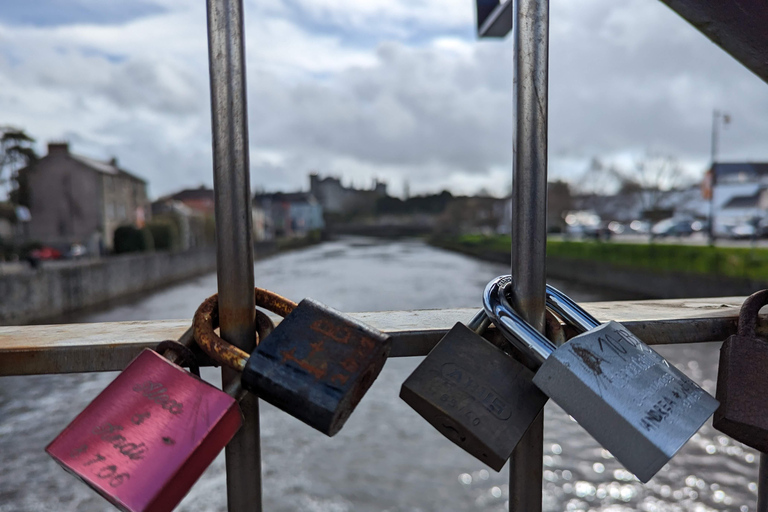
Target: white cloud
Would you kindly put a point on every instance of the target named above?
(393, 89)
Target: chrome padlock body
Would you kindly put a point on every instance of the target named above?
(144, 440)
(316, 365)
(741, 378)
(628, 397)
(474, 394)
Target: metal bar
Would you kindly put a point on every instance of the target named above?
(762, 484)
(110, 346)
(231, 176)
(529, 217)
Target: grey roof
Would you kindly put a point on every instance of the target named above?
(750, 169)
(104, 167)
(743, 201)
(287, 197)
(194, 194)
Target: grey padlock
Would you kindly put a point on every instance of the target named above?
(628, 397)
(474, 393)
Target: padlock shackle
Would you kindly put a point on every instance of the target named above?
(514, 328)
(206, 320)
(749, 313)
(567, 309)
(479, 323)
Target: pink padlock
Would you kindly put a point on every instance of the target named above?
(145, 440)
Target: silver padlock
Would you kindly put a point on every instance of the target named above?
(628, 397)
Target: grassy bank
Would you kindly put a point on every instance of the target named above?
(750, 263)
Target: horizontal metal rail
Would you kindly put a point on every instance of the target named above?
(42, 349)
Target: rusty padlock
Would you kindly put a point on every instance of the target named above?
(316, 365)
(144, 441)
(743, 411)
(475, 394)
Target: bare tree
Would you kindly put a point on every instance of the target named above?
(653, 175)
(646, 180)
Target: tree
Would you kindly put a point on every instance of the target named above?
(646, 179)
(16, 152)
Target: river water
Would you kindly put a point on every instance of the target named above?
(386, 458)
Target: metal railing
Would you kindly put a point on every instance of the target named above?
(47, 349)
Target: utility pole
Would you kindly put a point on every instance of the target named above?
(718, 118)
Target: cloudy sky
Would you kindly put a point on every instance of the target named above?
(390, 89)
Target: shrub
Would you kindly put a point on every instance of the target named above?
(132, 239)
(165, 234)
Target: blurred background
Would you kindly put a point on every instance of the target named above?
(380, 150)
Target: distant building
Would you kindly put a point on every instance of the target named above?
(262, 224)
(737, 193)
(190, 222)
(200, 199)
(283, 214)
(743, 210)
(336, 198)
(7, 223)
(76, 199)
(479, 214)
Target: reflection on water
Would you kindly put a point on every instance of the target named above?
(386, 458)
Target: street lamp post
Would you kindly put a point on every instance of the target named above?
(718, 118)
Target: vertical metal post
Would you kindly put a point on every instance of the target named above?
(711, 227)
(762, 484)
(226, 56)
(529, 217)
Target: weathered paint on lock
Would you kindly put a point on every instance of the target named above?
(742, 378)
(145, 439)
(474, 394)
(634, 403)
(316, 365)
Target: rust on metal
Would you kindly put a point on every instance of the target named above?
(554, 328)
(274, 302)
(741, 380)
(749, 311)
(206, 320)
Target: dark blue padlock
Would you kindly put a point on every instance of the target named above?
(316, 365)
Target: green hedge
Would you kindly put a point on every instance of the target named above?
(132, 239)
(751, 263)
(165, 234)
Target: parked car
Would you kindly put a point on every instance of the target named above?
(586, 224)
(640, 227)
(671, 227)
(617, 228)
(45, 253)
(743, 230)
(76, 251)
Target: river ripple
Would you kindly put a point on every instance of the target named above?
(386, 458)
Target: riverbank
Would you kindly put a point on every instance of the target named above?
(57, 290)
(644, 270)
